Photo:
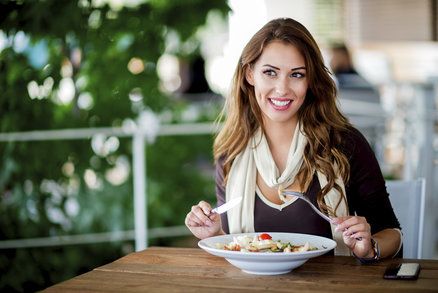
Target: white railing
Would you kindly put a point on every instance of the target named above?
(139, 135)
(92, 238)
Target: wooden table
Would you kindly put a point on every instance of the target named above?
(162, 269)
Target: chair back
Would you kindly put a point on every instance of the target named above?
(408, 201)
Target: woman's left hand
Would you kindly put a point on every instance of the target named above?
(356, 233)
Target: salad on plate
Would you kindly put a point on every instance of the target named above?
(263, 243)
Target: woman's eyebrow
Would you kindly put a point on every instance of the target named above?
(272, 66)
(293, 69)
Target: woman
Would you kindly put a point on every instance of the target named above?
(283, 130)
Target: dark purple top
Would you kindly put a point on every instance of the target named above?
(365, 190)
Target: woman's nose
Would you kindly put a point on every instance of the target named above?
(281, 86)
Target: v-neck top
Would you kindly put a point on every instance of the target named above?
(366, 195)
(294, 216)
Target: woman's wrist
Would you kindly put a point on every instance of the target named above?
(374, 254)
(373, 250)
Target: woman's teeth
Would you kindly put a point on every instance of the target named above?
(280, 103)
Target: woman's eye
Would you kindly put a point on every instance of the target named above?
(298, 75)
(270, 72)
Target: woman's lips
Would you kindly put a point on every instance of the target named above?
(280, 104)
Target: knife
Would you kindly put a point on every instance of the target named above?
(227, 206)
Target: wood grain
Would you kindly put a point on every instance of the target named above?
(160, 269)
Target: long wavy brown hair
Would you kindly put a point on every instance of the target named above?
(321, 120)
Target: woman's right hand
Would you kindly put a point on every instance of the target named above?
(202, 222)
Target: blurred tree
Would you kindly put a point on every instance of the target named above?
(69, 64)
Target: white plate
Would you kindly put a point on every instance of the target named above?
(265, 263)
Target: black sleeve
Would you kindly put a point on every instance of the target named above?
(220, 192)
(366, 190)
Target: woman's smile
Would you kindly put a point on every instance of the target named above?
(280, 104)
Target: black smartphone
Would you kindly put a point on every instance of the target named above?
(402, 271)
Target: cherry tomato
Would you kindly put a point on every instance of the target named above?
(265, 236)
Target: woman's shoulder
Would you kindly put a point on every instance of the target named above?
(353, 134)
(353, 141)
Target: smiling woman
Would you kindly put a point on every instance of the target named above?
(280, 83)
(283, 130)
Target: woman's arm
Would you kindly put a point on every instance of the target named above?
(220, 192)
(389, 241)
(369, 201)
(200, 221)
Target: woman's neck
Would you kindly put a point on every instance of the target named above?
(279, 137)
(280, 133)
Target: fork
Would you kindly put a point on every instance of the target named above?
(301, 195)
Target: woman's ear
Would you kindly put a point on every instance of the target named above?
(249, 75)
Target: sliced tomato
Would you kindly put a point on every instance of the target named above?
(265, 236)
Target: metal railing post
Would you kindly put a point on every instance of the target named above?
(139, 177)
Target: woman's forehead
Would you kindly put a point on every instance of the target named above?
(281, 54)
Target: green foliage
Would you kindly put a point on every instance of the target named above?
(178, 187)
(43, 188)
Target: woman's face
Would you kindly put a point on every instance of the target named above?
(280, 82)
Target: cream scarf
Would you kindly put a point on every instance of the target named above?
(257, 157)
